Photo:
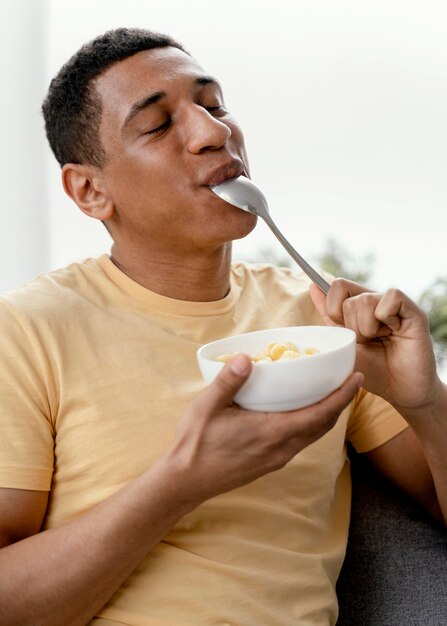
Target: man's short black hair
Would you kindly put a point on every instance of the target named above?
(72, 108)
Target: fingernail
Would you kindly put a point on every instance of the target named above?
(359, 378)
(240, 364)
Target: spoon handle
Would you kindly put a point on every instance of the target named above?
(307, 269)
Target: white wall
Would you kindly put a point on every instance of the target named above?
(343, 105)
(24, 235)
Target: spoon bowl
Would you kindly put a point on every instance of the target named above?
(244, 194)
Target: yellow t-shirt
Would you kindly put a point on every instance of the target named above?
(95, 371)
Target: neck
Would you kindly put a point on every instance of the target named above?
(203, 277)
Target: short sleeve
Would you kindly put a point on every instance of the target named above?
(372, 422)
(26, 441)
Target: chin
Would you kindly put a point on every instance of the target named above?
(242, 235)
(247, 227)
(242, 223)
(236, 225)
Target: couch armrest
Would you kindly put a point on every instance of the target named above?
(395, 571)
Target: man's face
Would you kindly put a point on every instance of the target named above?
(167, 137)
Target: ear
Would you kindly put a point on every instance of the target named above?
(86, 186)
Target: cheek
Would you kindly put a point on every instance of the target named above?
(157, 169)
(237, 136)
(133, 177)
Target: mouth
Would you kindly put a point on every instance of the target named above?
(228, 171)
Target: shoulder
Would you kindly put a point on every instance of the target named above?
(272, 276)
(281, 291)
(50, 290)
(49, 296)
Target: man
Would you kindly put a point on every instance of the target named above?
(131, 493)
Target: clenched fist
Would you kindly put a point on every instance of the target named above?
(394, 351)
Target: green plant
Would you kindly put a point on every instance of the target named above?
(434, 303)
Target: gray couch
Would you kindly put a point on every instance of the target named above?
(395, 572)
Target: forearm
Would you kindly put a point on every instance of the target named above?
(431, 430)
(66, 574)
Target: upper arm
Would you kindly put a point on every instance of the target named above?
(22, 514)
(402, 460)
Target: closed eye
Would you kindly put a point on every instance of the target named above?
(160, 128)
(216, 109)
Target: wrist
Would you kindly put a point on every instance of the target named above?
(430, 413)
(182, 484)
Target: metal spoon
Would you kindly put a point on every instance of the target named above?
(244, 194)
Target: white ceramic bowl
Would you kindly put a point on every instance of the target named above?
(285, 385)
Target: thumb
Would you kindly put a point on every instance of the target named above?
(319, 300)
(221, 391)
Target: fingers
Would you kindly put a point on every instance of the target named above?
(396, 307)
(317, 419)
(359, 314)
(342, 396)
(319, 300)
(373, 315)
(351, 305)
(221, 391)
(330, 306)
(341, 291)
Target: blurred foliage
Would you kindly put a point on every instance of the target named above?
(336, 260)
(434, 303)
(269, 254)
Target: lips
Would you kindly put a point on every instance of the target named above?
(227, 171)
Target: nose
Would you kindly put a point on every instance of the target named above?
(205, 132)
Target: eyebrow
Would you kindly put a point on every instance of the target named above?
(207, 80)
(144, 103)
(148, 101)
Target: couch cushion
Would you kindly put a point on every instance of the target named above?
(395, 572)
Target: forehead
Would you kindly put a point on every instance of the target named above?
(160, 69)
